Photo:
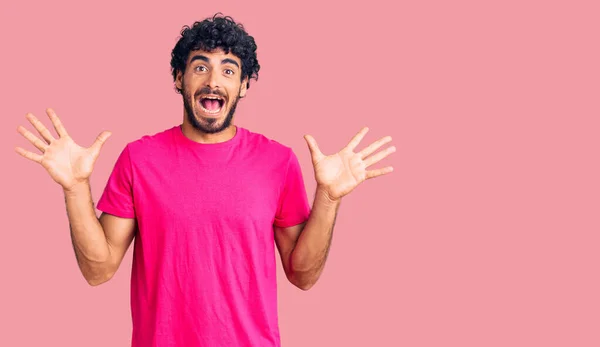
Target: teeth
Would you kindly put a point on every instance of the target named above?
(209, 111)
(211, 98)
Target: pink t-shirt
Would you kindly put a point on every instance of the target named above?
(204, 261)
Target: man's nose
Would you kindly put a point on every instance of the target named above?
(213, 80)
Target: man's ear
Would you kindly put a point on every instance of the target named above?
(244, 87)
(178, 80)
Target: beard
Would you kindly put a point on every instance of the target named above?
(211, 125)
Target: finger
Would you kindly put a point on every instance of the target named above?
(357, 138)
(314, 148)
(374, 146)
(40, 128)
(58, 126)
(39, 144)
(379, 156)
(378, 172)
(29, 155)
(100, 140)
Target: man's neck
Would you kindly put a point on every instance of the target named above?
(201, 137)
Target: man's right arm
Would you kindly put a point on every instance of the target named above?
(99, 243)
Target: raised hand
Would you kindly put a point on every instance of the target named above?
(67, 163)
(338, 174)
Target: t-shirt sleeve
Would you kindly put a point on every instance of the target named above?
(293, 206)
(117, 198)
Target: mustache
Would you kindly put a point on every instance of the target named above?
(207, 90)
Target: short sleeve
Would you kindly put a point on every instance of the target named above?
(293, 205)
(117, 198)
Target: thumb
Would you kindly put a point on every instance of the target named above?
(100, 140)
(315, 152)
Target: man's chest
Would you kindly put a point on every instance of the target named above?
(239, 195)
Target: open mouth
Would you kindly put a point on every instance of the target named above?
(211, 104)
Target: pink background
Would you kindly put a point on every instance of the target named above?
(486, 233)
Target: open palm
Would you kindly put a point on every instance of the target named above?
(343, 171)
(67, 163)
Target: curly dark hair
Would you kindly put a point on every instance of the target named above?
(212, 33)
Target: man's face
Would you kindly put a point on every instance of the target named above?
(211, 88)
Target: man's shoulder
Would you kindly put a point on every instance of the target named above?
(267, 144)
(152, 141)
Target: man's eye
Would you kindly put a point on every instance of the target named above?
(229, 72)
(200, 68)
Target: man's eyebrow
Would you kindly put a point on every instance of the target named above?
(205, 59)
(199, 57)
(230, 61)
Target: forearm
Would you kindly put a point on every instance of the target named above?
(89, 241)
(312, 248)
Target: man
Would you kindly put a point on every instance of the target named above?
(206, 202)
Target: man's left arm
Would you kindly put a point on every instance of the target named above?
(304, 247)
